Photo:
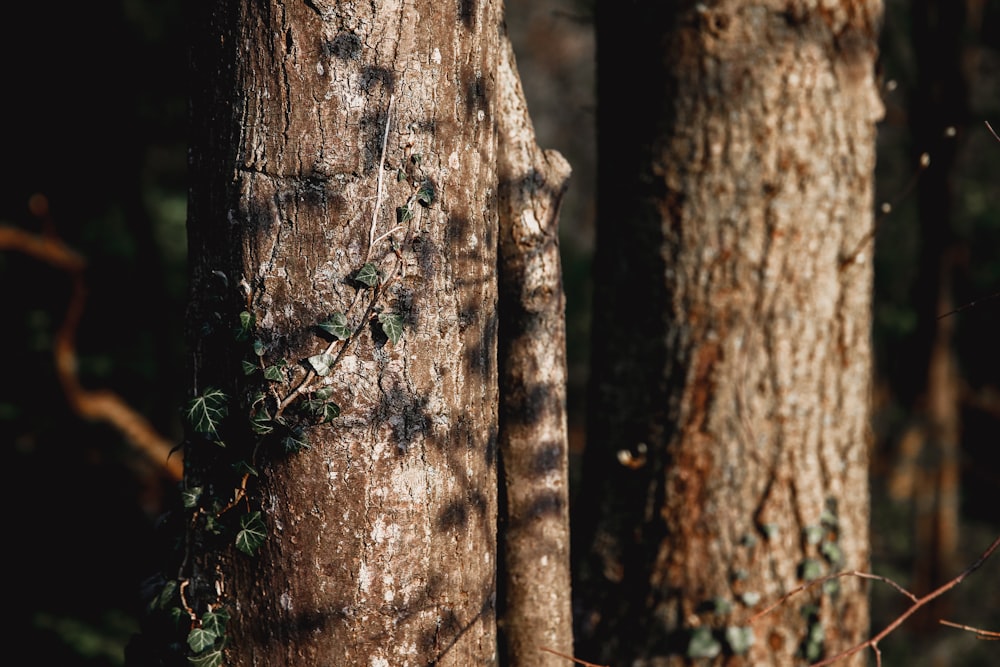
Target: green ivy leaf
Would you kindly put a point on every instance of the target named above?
(294, 442)
(703, 644)
(337, 326)
(242, 332)
(165, 596)
(200, 639)
(831, 551)
(426, 193)
(740, 639)
(211, 659)
(321, 363)
(252, 533)
(810, 569)
(324, 393)
(403, 214)
(259, 348)
(330, 412)
(275, 373)
(261, 424)
(215, 621)
(249, 367)
(368, 275)
(190, 497)
(392, 325)
(205, 413)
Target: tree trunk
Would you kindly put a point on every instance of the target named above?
(344, 166)
(728, 435)
(534, 449)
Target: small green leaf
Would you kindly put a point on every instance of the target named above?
(392, 325)
(275, 373)
(324, 393)
(242, 332)
(200, 639)
(205, 413)
(215, 621)
(831, 551)
(720, 605)
(426, 193)
(337, 326)
(252, 533)
(740, 639)
(261, 424)
(249, 368)
(330, 412)
(400, 176)
(321, 363)
(403, 214)
(810, 569)
(703, 644)
(813, 534)
(368, 275)
(294, 442)
(165, 597)
(190, 497)
(259, 348)
(750, 598)
(211, 659)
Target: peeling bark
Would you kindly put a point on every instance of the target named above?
(534, 449)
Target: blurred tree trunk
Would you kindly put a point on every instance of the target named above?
(728, 435)
(344, 164)
(930, 448)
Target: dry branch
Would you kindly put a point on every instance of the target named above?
(99, 405)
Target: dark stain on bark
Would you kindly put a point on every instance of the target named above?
(371, 75)
(467, 13)
(345, 46)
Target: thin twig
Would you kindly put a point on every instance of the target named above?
(980, 633)
(873, 642)
(992, 131)
(571, 658)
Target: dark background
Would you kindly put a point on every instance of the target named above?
(93, 117)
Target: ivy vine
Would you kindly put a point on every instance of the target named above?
(278, 413)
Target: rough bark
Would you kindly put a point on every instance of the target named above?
(329, 135)
(534, 452)
(728, 434)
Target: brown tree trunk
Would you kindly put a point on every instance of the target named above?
(534, 450)
(727, 449)
(333, 138)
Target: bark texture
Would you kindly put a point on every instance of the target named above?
(329, 135)
(728, 431)
(534, 451)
